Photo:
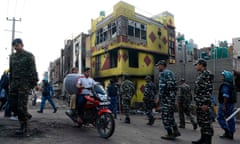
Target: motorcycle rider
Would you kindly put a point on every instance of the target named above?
(84, 84)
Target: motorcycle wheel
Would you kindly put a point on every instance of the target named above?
(105, 125)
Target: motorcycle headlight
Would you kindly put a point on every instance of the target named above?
(102, 97)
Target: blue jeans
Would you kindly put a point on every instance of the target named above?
(43, 102)
(80, 104)
(230, 125)
(113, 105)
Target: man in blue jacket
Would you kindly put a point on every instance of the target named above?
(226, 98)
(47, 93)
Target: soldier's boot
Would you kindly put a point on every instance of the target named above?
(195, 126)
(23, 130)
(29, 116)
(127, 120)
(200, 141)
(207, 139)
(151, 120)
(176, 132)
(169, 135)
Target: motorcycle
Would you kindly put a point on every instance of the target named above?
(97, 113)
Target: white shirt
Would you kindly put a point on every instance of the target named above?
(86, 82)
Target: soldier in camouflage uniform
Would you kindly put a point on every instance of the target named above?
(203, 91)
(167, 94)
(127, 90)
(184, 104)
(149, 98)
(23, 77)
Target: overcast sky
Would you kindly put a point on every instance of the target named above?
(45, 24)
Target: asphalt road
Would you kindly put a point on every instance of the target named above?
(50, 128)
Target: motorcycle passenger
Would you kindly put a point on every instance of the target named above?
(84, 84)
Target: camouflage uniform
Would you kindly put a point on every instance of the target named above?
(127, 90)
(184, 105)
(203, 90)
(149, 99)
(167, 93)
(23, 77)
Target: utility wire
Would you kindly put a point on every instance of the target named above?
(15, 8)
(7, 7)
(150, 14)
(22, 13)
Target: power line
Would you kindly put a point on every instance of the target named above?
(22, 13)
(15, 8)
(7, 7)
(150, 14)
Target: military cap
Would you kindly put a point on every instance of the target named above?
(148, 77)
(161, 62)
(201, 61)
(17, 41)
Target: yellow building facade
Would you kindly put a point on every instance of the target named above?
(126, 42)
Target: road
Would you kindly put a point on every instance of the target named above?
(50, 128)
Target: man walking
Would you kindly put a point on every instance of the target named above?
(184, 104)
(167, 94)
(112, 91)
(23, 77)
(127, 90)
(226, 99)
(149, 99)
(47, 93)
(203, 91)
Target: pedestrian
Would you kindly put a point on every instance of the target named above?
(150, 92)
(84, 84)
(127, 90)
(47, 94)
(203, 91)
(73, 97)
(4, 84)
(112, 91)
(23, 77)
(167, 96)
(226, 99)
(184, 104)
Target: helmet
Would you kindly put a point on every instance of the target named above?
(45, 79)
(228, 76)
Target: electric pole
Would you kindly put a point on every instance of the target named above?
(13, 29)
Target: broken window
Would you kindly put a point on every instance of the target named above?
(136, 30)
